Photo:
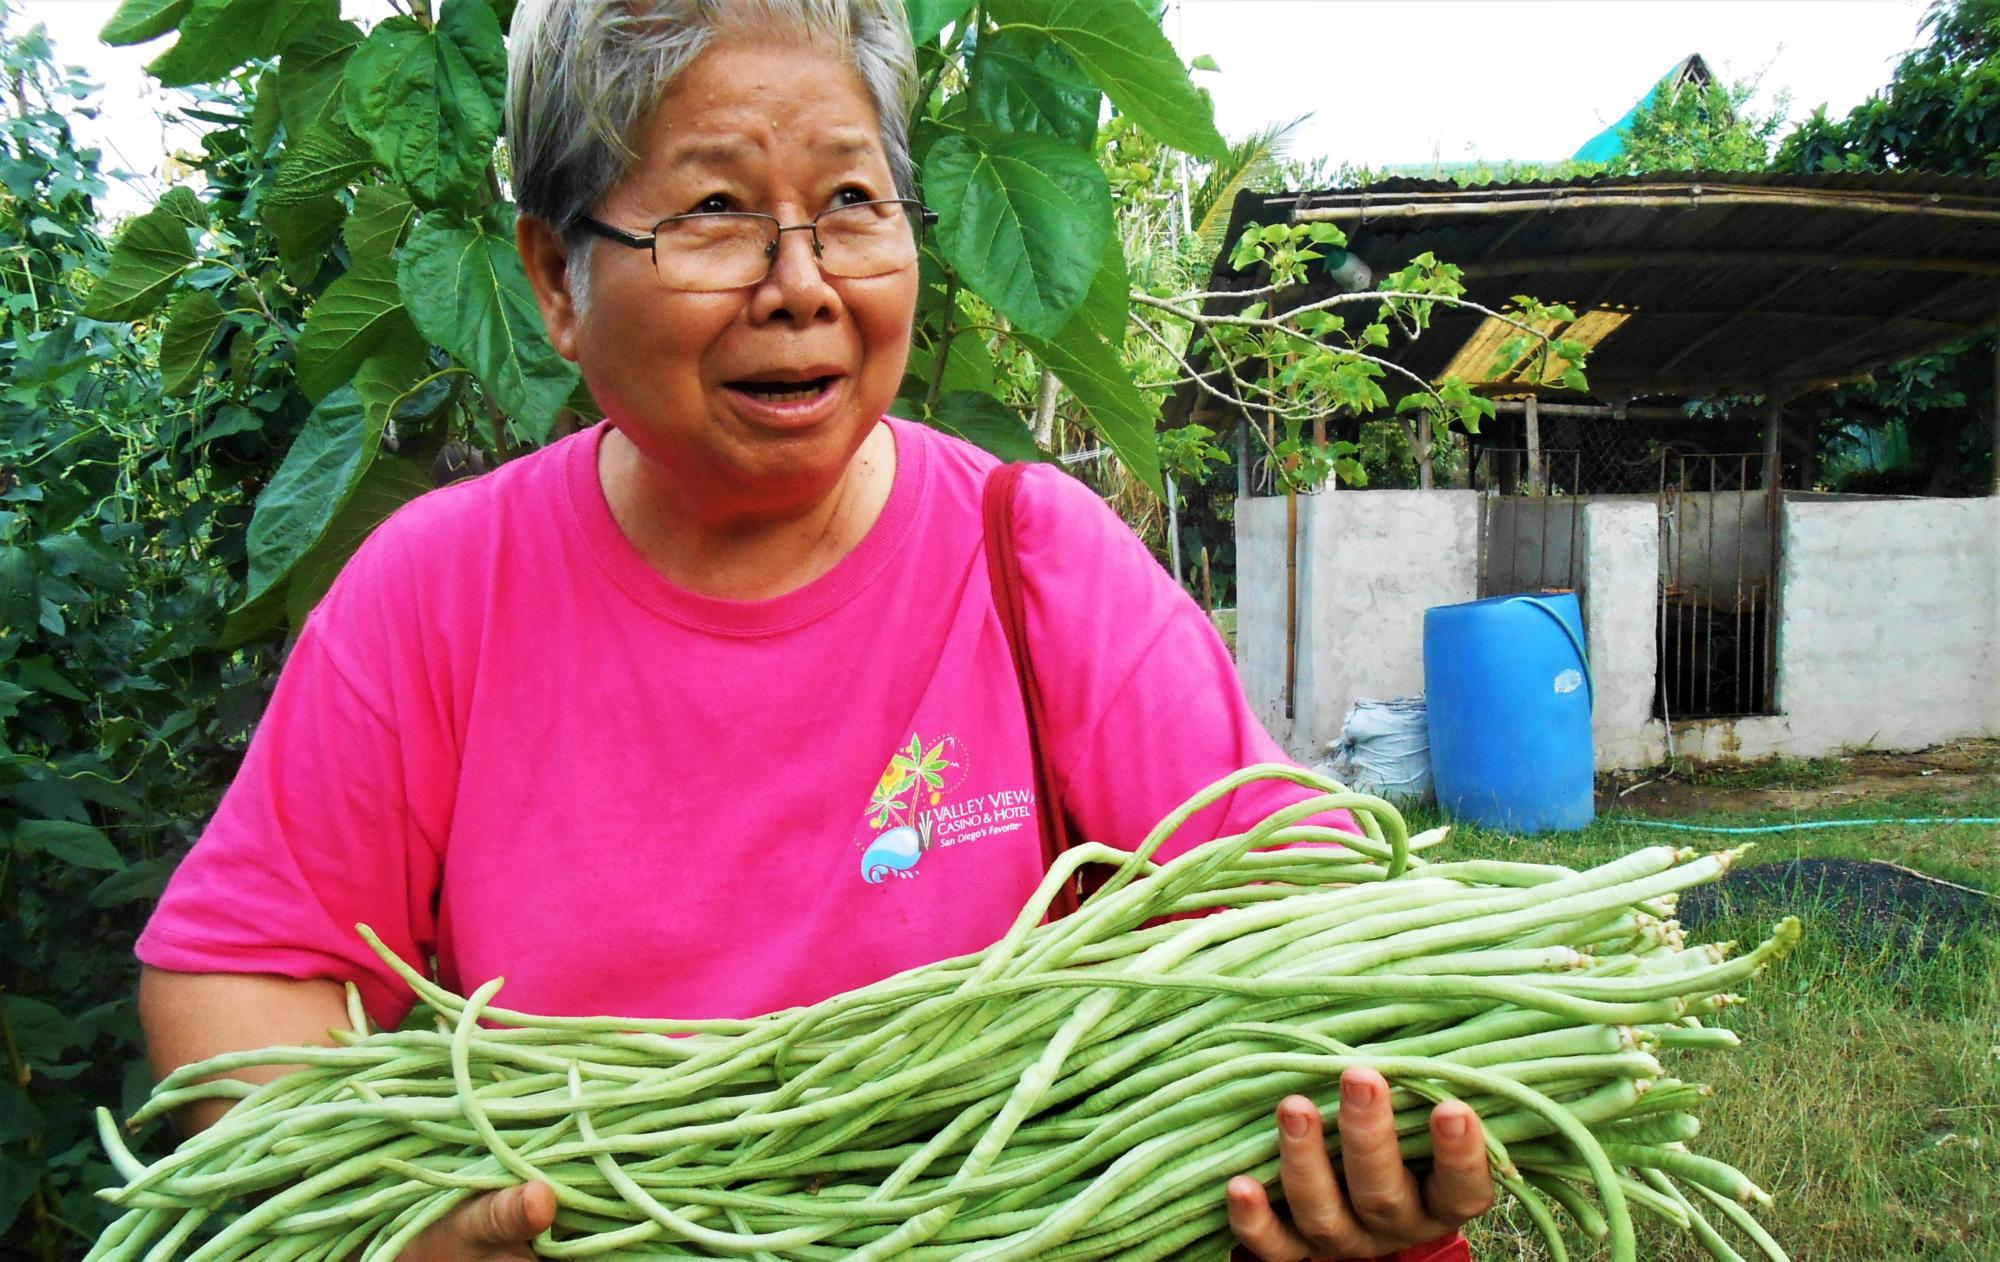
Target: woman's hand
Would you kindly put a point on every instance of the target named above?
(1383, 1208)
(496, 1227)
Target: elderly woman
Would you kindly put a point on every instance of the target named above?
(612, 720)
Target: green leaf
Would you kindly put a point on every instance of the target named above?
(428, 101)
(219, 35)
(390, 483)
(377, 222)
(20, 596)
(309, 75)
(984, 421)
(18, 1176)
(140, 20)
(191, 325)
(264, 115)
(1204, 61)
(69, 554)
(1106, 307)
(253, 618)
(40, 1031)
(12, 696)
(141, 882)
(325, 462)
(150, 256)
(40, 673)
(466, 291)
(1120, 46)
(970, 365)
(1085, 357)
(305, 230)
(326, 158)
(928, 18)
(1023, 83)
(78, 845)
(1025, 221)
(19, 1118)
(357, 314)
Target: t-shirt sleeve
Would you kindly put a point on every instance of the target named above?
(1144, 705)
(337, 816)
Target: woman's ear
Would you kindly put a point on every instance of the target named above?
(547, 265)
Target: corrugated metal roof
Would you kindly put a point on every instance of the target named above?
(1752, 282)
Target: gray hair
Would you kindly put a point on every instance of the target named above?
(584, 75)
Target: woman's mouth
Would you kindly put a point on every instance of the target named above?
(783, 391)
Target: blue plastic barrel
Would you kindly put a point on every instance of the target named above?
(1508, 685)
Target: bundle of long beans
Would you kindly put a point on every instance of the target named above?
(1082, 1089)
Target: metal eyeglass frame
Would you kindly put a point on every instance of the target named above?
(649, 242)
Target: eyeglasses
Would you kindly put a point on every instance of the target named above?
(711, 252)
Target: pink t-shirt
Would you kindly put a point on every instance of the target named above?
(502, 738)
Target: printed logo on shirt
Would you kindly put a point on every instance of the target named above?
(917, 807)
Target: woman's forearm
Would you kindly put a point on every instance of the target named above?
(193, 1016)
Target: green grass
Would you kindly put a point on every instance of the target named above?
(1866, 1097)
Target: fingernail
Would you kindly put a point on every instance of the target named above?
(1294, 1122)
(1355, 1090)
(1452, 1125)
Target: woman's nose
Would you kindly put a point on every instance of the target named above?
(795, 288)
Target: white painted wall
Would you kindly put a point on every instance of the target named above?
(1621, 603)
(1260, 610)
(1888, 638)
(1370, 563)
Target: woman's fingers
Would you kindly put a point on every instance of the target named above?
(1319, 1212)
(1383, 1195)
(1373, 1205)
(1460, 1185)
(511, 1215)
(1258, 1226)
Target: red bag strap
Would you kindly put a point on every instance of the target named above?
(1003, 565)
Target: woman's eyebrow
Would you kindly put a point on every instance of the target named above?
(711, 153)
(846, 145)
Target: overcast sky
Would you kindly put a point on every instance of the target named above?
(1388, 81)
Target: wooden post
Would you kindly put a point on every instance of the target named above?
(1774, 421)
(1291, 600)
(1531, 415)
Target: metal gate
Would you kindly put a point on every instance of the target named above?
(1530, 520)
(1718, 617)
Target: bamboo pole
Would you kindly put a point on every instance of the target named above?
(1735, 258)
(1653, 197)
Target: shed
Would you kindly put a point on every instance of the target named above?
(1685, 286)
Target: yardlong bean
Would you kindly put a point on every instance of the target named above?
(1080, 1090)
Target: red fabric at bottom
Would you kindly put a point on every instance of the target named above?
(1450, 1249)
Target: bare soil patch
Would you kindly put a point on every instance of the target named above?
(1960, 770)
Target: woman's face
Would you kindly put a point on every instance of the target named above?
(750, 400)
